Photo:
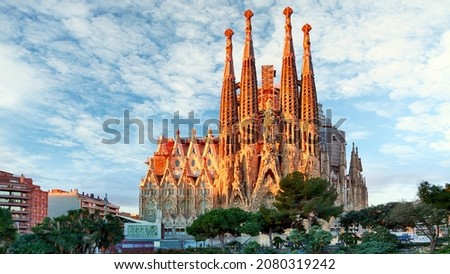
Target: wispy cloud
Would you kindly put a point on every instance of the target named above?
(66, 67)
(358, 135)
(21, 83)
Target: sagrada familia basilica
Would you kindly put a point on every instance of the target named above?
(266, 132)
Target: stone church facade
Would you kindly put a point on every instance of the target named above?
(266, 132)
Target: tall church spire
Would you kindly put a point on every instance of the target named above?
(248, 47)
(288, 44)
(229, 66)
(352, 156)
(355, 160)
(309, 114)
(289, 80)
(228, 103)
(308, 96)
(249, 87)
(289, 84)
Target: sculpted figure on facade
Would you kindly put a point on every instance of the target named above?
(269, 120)
(238, 189)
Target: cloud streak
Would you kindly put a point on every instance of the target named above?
(66, 67)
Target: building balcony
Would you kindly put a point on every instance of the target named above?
(15, 204)
(21, 212)
(15, 188)
(100, 206)
(22, 219)
(94, 207)
(18, 195)
(23, 228)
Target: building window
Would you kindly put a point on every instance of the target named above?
(179, 231)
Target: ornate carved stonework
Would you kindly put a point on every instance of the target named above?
(266, 133)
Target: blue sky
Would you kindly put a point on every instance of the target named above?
(65, 67)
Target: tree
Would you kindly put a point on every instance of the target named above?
(436, 195)
(350, 238)
(290, 196)
(320, 199)
(278, 242)
(370, 217)
(312, 241)
(251, 248)
(32, 244)
(377, 241)
(78, 232)
(267, 221)
(305, 198)
(376, 248)
(351, 219)
(401, 216)
(296, 238)
(199, 230)
(59, 234)
(429, 219)
(379, 234)
(110, 232)
(424, 217)
(8, 233)
(217, 223)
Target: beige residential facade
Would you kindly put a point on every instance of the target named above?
(61, 201)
